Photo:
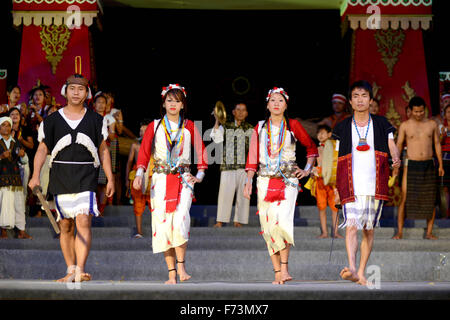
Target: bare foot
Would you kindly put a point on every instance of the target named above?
(172, 277)
(338, 236)
(83, 276)
(285, 276)
(70, 277)
(347, 274)
(4, 234)
(278, 278)
(238, 225)
(218, 225)
(182, 274)
(322, 236)
(23, 235)
(398, 236)
(362, 281)
(430, 237)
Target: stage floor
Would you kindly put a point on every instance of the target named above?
(151, 290)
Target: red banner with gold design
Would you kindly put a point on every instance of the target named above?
(393, 61)
(49, 54)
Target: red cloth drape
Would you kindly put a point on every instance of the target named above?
(34, 65)
(367, 64)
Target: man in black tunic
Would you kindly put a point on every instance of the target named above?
(75, 138)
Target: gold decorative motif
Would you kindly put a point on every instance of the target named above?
(376, 88)
(410, 93)
(390, 43)
(392, 115)
(54, 41)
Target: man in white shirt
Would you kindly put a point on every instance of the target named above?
(362, 175)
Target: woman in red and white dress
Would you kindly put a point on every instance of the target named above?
(168, 141)
(272, 157)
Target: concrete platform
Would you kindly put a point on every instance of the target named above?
(294, 290)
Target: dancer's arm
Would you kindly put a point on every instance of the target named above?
(144, 155)
(395, 155)
(252, 162)
(39, 159)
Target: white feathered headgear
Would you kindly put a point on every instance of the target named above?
(77, 79)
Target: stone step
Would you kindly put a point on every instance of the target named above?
(174, 299)
(205, 215)
(241, 243)
(221, 265)
(128, 219)
(307, 232)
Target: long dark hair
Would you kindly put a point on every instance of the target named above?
(179, 95)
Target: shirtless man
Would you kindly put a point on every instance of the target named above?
(419, 185)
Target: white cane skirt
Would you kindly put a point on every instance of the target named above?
(364, 213)
(68, 206)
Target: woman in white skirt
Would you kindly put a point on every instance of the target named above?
(272, 156)
(169, 141)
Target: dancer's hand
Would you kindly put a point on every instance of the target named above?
(396, 163)
(248, 190)
(109, 189)
(441, 171)
(34, 182)
(137, 183)
(300, 174)
(191, 179)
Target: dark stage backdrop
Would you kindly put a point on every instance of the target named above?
(221, 55)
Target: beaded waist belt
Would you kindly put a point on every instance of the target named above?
(163, 167)
(287, 168)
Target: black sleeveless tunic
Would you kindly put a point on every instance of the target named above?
(66, 146)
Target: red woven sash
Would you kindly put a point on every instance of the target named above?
(275, 190)
(173, 191)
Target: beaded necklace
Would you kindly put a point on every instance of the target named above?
(281, 141)
(362, 144)
(170, 143)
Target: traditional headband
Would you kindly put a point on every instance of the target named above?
(172, 87)
(277, 90)
(445, 96)
(3, 119)
(338, 98)
(76, 80)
